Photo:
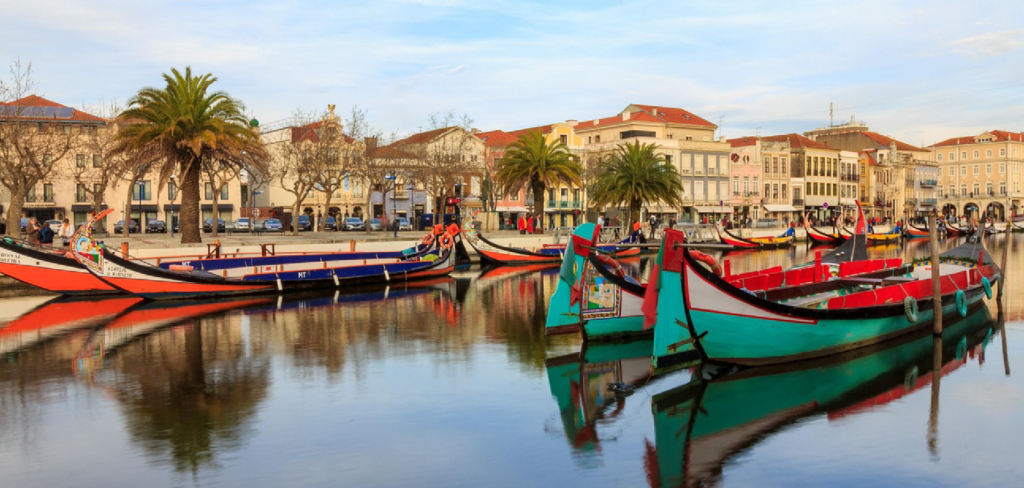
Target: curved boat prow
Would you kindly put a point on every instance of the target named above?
(564, 308)
(662, 308)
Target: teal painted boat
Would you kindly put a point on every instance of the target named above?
(735, 325)
(590, 301)
(702, 425)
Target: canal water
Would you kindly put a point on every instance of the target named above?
(453, 383)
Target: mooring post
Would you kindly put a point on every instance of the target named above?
(124, 250)
(936, 275)
(1006, 251)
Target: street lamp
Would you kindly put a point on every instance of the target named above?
(252, 211)
(139, 186)
(394, 204)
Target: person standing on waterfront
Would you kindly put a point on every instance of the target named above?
(522, 224)
(66, 231)
(45, 235)
(32, 231)
(529, 225)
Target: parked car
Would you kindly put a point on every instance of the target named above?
(272, 225)
(375, 224)
(133, 226)
(55, 225)
(208, 225)
(243, 225)
(304, 223)
(404, 224)
(353, 223)
(24, 223)
(330, 224)
(156, 226)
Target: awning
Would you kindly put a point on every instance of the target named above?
(142, 208)
(780, 208)
(172, 207)
(512, 209)
(220, 206)
(85, 208)
(715, 209)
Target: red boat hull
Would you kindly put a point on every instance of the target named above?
(50, 272)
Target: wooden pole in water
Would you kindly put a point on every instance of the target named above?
(933, 242)
(1006, 253)
(933, 411)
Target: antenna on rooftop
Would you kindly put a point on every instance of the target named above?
(830, 124)
(721, 118)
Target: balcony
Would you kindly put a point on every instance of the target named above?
(929, 183)
(401, 194)
(911, 201)
(564, 204)
(798, 202)
(930, 202)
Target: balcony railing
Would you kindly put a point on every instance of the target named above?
(401, 195)
(567, 204)
(798, 202)
(930, 201)
(911, 201)
(929, 183)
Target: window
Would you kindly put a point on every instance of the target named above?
(963, 155)
(142, 190)
(564, 139)
(775, 165)
(775, 190)
(514, 196)
(952, 156)
(589, 139)
(988, 188)
(172, 191)
(766, 188)
(783, 190)
(976, 189)
(952, 191)
(80, 194)
(209, 191)
(977, 154)
(952, 171)
(48, 192)
(783, 161)
(988, 169)
(597, 138)
(79, 160)
(746, 185)
(938, 157)
(224, 192)
(977, 169)
(736, 185)
(1002, 188)
(963, 190)
(1002, 168)
(97, 161)
(668, 159)
(988, 153)
(755, 183)
(576, 194)
(1002, 152)
(963, 170)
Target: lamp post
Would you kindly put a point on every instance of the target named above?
(139, 186)
(394, 204)
(252, 211)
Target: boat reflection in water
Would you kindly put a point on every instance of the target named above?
(58, 317)
(592, 386)
(718, 415)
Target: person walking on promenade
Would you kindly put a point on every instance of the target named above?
(529, 225)
(522, 224)
(32, 231)
(66, 231)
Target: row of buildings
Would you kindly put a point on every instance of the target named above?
(774, 179)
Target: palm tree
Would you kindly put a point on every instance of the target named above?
(634, 175)
(183, 126)
(536, 164)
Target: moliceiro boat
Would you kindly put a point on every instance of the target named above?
(783, 240)
(593, 294)
(495, 254)
(874, 238)
(914, 232)
(818, 236)
(728, 322)
(148, 281)
(48, 269)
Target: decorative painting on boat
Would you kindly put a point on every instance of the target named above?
(601, 298)
(84, 249)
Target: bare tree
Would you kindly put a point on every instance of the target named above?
(446, 154)
(32, 141)
(296, 169)
(219, 174)
(336, 152)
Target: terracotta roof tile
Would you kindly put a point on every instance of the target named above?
(886, 141)
(998, 136)
(37, 101)
(308, 133)
(496, 138)
(423, 137)
(743, 141)
(797, 140)
(544, 129)
(674, 115)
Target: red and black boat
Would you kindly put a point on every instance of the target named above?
(770, 242)
(818, 236)
(49, 269)
(499, 255)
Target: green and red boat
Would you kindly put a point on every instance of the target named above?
(729, 321)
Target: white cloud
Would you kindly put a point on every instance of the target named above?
(990, 43)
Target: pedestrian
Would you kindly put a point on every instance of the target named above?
(600, 220)
(671, 223)
(66, 231)
(654, 226)
(32, 231)
(522, 224)
(529, 225)
(45, 235)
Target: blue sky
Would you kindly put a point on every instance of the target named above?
(919, 71)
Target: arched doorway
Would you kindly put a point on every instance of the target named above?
(357, 212)
(334, 211)
(996, 210)
(949, 210)
(970, 210)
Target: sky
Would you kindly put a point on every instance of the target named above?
(920, 71)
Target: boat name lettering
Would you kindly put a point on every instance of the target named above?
(117, 272)
(6, 257)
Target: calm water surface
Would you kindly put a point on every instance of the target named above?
(453, 383)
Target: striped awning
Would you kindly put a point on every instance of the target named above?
(780, 208)
(714, 209)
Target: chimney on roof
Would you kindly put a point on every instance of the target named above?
(371, 143)
(595, 121)
(572, 122)
(721, 138)
(474, 130)
(625, 115)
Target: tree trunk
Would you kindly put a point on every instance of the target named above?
(538, 204)
(191, 232)
(14, 212)
(369, 207)
(125, 232)
(216, 212)
(326, 212)
(295, 216)
(97, 207)
(634, 214)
